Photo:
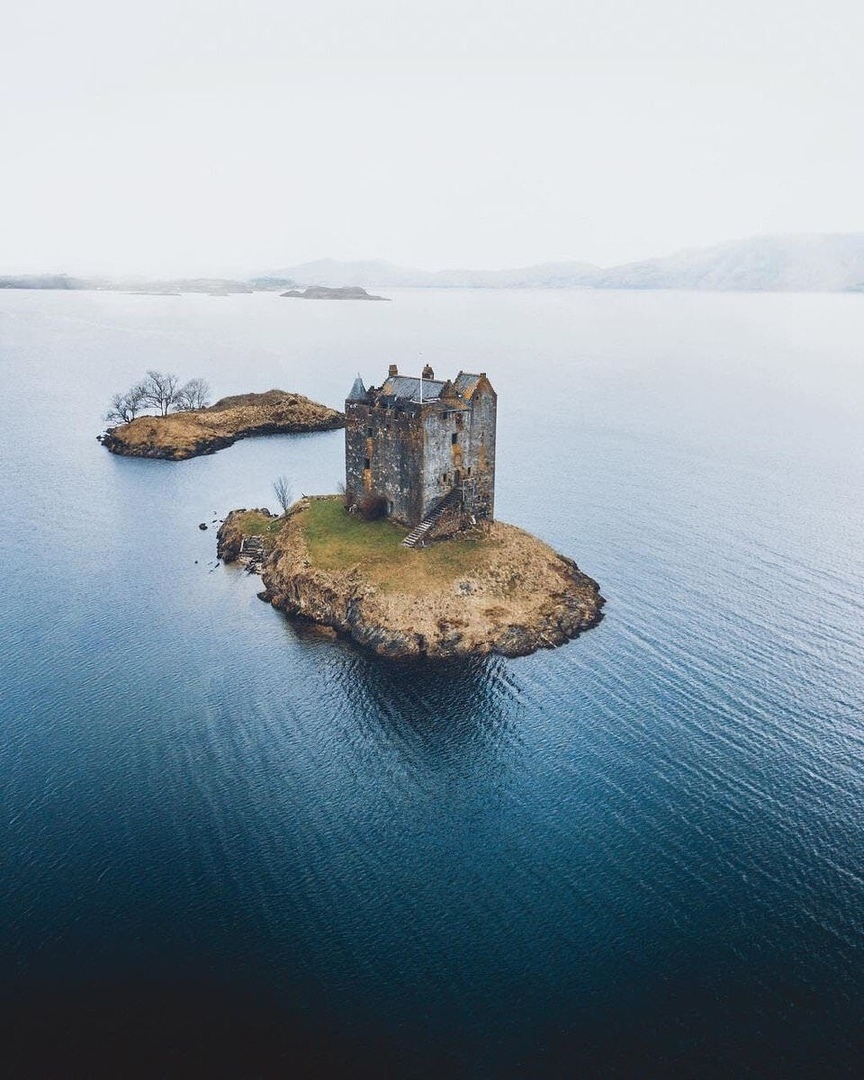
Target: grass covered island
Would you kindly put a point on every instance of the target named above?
(187, 434)
(496, 590)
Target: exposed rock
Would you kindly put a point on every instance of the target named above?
(203, 431)
(513, 596)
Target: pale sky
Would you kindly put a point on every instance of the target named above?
(205, 136)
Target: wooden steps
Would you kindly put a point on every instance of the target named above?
(418, 533)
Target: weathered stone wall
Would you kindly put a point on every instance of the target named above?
(389, 439)
(459, 447)
(442, 458)
(482, 442)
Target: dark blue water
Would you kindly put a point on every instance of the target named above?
(231, 848)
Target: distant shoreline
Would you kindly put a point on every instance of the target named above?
(820, 262)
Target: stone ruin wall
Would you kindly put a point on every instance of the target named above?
(470, 459)
(390, 440)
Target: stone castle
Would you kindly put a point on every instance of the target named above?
(422, 445)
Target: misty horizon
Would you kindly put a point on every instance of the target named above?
(780, 263)
(184, 140)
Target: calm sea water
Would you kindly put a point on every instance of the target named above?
(230, 848)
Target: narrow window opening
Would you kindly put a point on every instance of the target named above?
(454, 438)
(367, 464)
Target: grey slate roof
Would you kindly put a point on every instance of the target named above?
(407, 389)
(358, 390)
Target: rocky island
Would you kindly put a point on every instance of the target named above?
(324, 292)
(493, 589)
(409, 560)
(203, 431)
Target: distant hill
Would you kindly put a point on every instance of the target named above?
(798, 263)
(210, 286)
(381, 274)
(794, 263)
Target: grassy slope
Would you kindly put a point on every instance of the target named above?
(337, 541)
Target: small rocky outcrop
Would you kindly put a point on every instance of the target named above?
(324, 292)
(204, 431)
(242, 525)
(504, 592)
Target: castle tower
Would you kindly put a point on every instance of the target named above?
(417, 440)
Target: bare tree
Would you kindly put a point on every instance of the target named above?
(125, 407)
(160, 390)
(194, 394)
(284, 492)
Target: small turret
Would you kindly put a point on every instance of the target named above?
(358, 390)
(428, 373)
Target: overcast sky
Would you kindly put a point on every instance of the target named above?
(193, 136)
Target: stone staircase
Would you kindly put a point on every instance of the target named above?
(416, 536)
(252, 548)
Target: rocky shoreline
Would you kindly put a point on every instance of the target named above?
(507, 593)
(189, 434)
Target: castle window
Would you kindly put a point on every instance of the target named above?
(369, 431)
(454, 438)
(460, 419)
(367, 464)
(469, 470)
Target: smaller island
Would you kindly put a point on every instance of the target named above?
(493, 589)
(192, 432)
(323, 292)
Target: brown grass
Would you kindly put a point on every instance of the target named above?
(182, 434)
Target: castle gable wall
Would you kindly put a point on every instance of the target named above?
(384, 456)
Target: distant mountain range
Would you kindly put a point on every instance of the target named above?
(388, 275)
(795, 263)
(786, 263)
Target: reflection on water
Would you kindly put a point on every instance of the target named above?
(455, 715)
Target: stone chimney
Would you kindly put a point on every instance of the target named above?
(428, 373)
(392, 372)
